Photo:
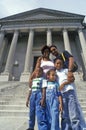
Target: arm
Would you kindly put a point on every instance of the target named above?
(60, 103)
(42, 102)
(31, 78)
(70, 79)
(44, 85)
(70, 59)
(38, 63)
(28, 97)
(63, 84)
(71, 62)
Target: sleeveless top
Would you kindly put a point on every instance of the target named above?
(46, 65)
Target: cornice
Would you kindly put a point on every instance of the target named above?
(33, 19)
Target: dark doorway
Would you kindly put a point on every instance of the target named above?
(34, 63)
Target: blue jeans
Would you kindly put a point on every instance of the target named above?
(70, 115)
(35, 108)
(52, 110)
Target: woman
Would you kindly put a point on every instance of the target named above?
(43, 61)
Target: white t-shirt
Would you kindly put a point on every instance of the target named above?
(62, 77)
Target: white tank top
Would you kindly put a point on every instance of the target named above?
(46, 65)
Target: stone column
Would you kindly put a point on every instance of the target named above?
(27, 68)
(1, 44)
(83, 46)
(49, 37)
(49, 40)
(10, 58)
(1, 38)
(83, 43)
(66, 40)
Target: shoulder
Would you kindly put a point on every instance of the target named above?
(40, 58)
(65, 70)
(57, 83)
(66, 53)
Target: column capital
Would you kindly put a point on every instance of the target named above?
(31, 29)
(49, 29)
(16, 31)
(64, 29)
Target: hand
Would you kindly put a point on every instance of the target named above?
(27, 103)
(70, 77)
(42, 102)
(61, 87)
(60, 108)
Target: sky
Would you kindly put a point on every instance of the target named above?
(11, 7)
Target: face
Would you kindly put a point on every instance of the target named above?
(58, 64)
(46, 53)
(52, 76)
(54, 51)
(38, 72)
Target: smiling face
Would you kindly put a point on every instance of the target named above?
(58, 64)
(54, 51)
(51, 75)
(39, 72)
(46, 53)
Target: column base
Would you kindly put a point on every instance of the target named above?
(25, 77)
(84, 76)
(5, 77)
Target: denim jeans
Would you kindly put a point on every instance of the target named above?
(35, 108)
(70, 115)
(52, 110)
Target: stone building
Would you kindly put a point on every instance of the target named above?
(22, 36)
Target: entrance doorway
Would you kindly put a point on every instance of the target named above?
(34, 62)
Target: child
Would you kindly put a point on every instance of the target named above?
(53, 101)
(71, 117)
(37, 101)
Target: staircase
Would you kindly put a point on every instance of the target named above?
(81, 92)
(14, 113)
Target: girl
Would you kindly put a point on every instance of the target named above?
(53, 101)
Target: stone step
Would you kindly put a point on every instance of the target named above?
(13, 123)
(81, 95)
(8, 98)
(13, 107)
(12, 102)
(83, 103)
(14, 113)
(84, 114)
(81, 99)
(83, 107)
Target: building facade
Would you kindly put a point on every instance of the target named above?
(22, 36)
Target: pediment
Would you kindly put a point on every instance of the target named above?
(42, 13)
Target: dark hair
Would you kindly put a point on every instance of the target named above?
(53, 46)
(48, 73)
(58, 58)
(44, 48)
(40, 69)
